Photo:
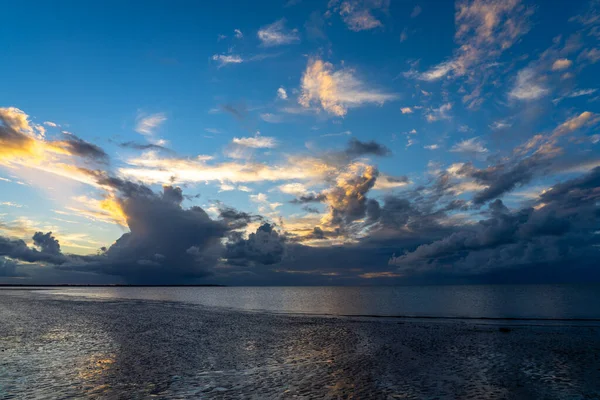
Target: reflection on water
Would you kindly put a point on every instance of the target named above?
(54, 347)
(469, 301)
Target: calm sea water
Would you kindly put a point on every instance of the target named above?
(468, 301)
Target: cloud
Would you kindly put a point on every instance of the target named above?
(582, 92)
(265, 246)
(356, 148)
(276, 34)
(406, 110)
(345, 133)
(432, 147)
(528, 86)
(472, 145)
(336, 91)
(142, 146)
(358, 14)
(282, 94)
(226, 59)
(346, 200)
(386, 182)
(51, 124)
(49, 249)
(238, 34)
(484, 30)
(561, 63)
(436, 114)
(21, 147)
(416, 11)
(256, 142)
(10, 204)
(558, 233)
(271, 118)
(501, 124)
(147, 124)
(150, 168)
(295, 188)
(79, 147)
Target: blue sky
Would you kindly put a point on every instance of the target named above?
(257, 105)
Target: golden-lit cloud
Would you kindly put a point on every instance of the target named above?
(152, 168)
(336, 91)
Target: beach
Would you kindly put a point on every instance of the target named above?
(55, 347)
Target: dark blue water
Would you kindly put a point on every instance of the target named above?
(466, 301)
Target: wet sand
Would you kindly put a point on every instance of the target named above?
(52, 348)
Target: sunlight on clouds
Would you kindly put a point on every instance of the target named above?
(484, 30)
(150, 168)
(561, 64)
(336, 91)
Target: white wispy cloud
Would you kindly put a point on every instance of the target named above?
(528, 86)
(225, 59)
(473, 145)
(501, 124)
(147, 124)
(276, 34)
(238, 34)
(10, 204)
(271, 118)
(432, 147)
(51, 124)
(336, 91)
(256, 142)
(345, 133)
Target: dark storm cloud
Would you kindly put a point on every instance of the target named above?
(166, 242)
(47, 243)
(237, 219)
(504, 178)
(79, 147)
(356, 148)
(563, 229)
(266, 246)
(49, 249)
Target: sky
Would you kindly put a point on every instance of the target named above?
(296, 142)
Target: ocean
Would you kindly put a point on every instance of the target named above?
(463, 301)
(300, 343)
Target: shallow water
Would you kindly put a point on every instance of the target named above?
(467, 301)
(55, 347)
